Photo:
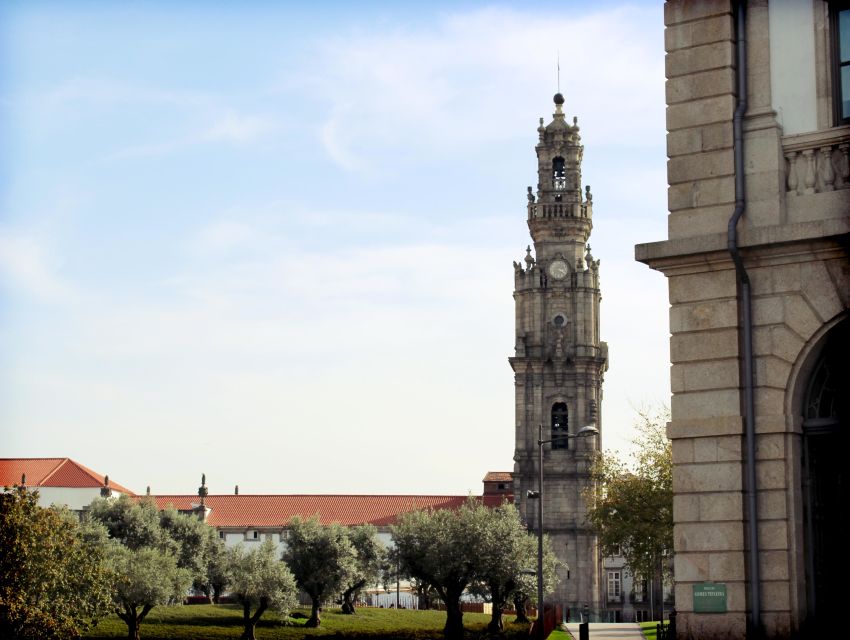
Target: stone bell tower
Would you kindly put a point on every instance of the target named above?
(559, 360)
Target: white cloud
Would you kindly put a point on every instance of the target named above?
(28, 266)
(475, 78)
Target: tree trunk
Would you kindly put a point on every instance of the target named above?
(315, 620)
(520, 604)
(132, 620)
(248, 631)
(348, 599)
(496, 625)
(454, 618)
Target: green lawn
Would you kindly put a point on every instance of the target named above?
(649, 629)
(209, 622)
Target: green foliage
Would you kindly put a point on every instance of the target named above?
(504, 554)
(632, 504)
(259, 581)
(321, 558)
(53, 579)
(152, 555)
(370, 563)
(211, 622)
(474, 546)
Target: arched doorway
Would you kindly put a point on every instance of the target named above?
(826, 473)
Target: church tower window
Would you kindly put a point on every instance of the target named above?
(559, 177)
(560, 426)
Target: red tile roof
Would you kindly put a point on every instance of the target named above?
(52, 472)
(276, 510)
(499, 476)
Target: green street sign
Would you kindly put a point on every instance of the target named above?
(709, 597)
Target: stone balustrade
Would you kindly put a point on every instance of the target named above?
(817, 162)
(559, 210)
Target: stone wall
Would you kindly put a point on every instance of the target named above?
(794, 242)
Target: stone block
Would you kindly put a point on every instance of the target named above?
(702, 193)
(702, 315)
(697, 478)
(709, 536)
(723, 567)
(728, 425)
(686, 508)
(706, 84)
(770, 446)
(820, 290)
(692, 567)
(773, 534)
(709, 374)
(709, 285)
(692, 34)
(774, 565)
(770, 474)
(839, 271)
(700, 112)
(686, 347)
(776, 595)
(778, 341)
(769, 401)
(678, 11)
(772, 372)
(717, 449)
(768, 310)
(708, 164)
(686, 222)
(709, 137)
(726, 626)
(706, 404)
(715, 507)
(800, 317)
(772, 504)
(683, 451)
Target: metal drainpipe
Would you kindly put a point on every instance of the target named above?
(746, 315)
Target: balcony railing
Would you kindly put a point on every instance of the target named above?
(817, 162)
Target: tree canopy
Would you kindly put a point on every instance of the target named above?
(259, 581)
(631, 507)
(470, 547)
(321, 558)
(54, 581)
(369, 563)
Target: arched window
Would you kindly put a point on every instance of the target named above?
(560, 425)
(559, 177)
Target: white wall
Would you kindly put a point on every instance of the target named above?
(74, 498)
(792, 64)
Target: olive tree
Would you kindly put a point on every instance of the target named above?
(506, 552)
(321, 558)
(440, 547)
(369, 564)
(145, 577)
(259, 581)
(54, 580)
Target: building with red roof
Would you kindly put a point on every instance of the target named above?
(60, 481)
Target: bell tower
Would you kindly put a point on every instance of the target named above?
(559, 361)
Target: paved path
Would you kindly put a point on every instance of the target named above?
(609, 630)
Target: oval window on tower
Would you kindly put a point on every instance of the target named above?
(559, 320)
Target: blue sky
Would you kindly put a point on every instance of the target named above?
(272, 242)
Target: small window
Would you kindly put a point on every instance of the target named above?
(560, 425)
(840, 23)
(221, 534)
(502, 486)
(256, 535)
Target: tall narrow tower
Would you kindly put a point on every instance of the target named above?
(559, 360)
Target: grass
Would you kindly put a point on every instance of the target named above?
(650, 629)
(211, 622)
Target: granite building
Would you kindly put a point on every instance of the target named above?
(758, 267)
(559, 360)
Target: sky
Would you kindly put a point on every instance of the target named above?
(272, 242)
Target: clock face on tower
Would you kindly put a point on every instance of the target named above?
(558, 269)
